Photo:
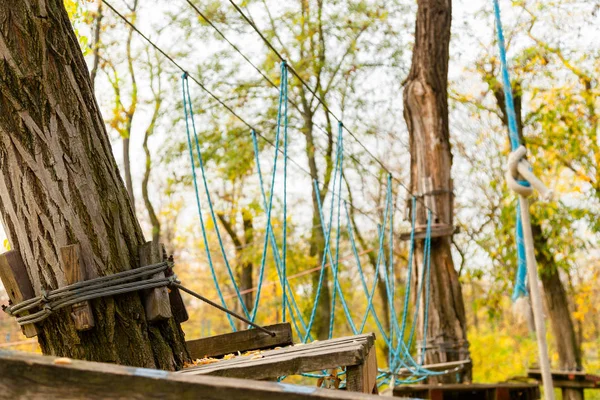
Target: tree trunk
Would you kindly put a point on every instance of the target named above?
(59, 185)
(96, 42)
(426, 114)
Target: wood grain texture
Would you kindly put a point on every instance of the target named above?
(35, 377)
(363, 377)
(59, 184)
(17, 285)
(75, 271)
(326, 354)
(156, 301)
(241, 341)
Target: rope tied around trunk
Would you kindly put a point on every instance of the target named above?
(129, 281)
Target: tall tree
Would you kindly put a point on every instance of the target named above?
(59, 184)
(426, 114)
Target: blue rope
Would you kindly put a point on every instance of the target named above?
(204, 236)
(210, 204)
(520, 285)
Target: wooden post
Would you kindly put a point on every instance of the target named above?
(177, 305)
(156, 303)
(75, 271)
(17, 284)
(363, 377)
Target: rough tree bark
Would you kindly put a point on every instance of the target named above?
(59, 184)
(555, 294)
(426, 114)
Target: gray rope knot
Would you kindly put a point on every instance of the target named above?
(44, 297)
(517, 185)
(173, 280)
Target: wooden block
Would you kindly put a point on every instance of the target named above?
(177, 305)
(17, 284)
(156, 301)
(33, 376)
(363, 377)
(437, 230)
(242, 341)
(75, 271)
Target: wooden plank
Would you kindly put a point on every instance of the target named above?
(525, 391)
(363, 377)
(75, 271)
(156, 301)
(437, 230)
(177, 305)
(15, 279)
(37, 377)
(293, 360)
(569, 379)
(241, 341)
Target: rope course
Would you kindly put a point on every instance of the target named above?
(335, 224)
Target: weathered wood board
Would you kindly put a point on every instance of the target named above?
(17, 284)
(500, 391)
(569, 379)
(343, 352)
(157, 303)
(36, 377)
(75, 271)
(241, 341)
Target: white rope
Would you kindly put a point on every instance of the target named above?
(517, 170)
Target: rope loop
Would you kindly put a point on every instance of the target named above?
(513, 178)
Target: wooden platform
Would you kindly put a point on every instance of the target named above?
(32, 377)
(356, 353)
(569, 379)
(241, 341)
(501, 391)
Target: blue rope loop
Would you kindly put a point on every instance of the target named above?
(520, 287)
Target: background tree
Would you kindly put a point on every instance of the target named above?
(426, 114)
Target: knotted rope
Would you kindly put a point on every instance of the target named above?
(129, 281)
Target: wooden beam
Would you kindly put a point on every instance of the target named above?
(499, 391)
(363, 377)
(37, 377)
(15, 279)
(75, 271)
(156, 301)
(242, 341)
(177, 305)
(437, 230)
(325, 354)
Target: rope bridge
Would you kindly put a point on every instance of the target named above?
(400, 338)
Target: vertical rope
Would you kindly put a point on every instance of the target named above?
(198, 203)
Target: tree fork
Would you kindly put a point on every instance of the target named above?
(426, 114)
(59, 185)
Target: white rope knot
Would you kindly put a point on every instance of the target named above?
(513, 177)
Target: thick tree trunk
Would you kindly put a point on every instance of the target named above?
(59, 185)
(426, 114)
